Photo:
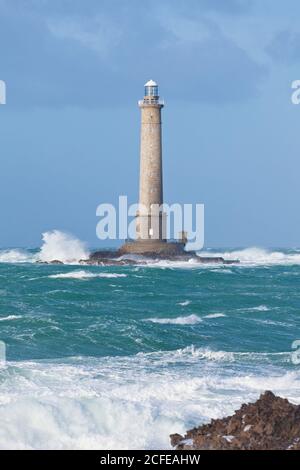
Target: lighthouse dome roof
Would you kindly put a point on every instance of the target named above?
(151, 83)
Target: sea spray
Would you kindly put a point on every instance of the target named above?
(63, 247)
(95, 403)
(16, 256)
(258, 256)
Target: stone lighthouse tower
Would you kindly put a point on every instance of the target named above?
(150, 218)
(149, 224)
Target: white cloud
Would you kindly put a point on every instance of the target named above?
(97, 34)
(184, 29)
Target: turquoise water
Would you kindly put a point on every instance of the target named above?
(120, 357)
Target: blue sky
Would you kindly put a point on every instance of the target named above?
(69, 133)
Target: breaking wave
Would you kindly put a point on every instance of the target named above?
(189, 320)
(258, 256)
(192, 355)
(10, 317)
(260, 308)
(66, 248)
(94, 403)
(184, 320)
(85, 275)
(62, 247)
(57, 245)
(215, 315)
(251, 256)
(16, 256)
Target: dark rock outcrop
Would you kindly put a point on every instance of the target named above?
(271, 423)
(118, 257)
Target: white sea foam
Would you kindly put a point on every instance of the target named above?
(214, 315)
(10, 317)
(81, 274)
(258, 256)
(184, 303)
(184, 320)
(188, 320)
(111, 275)
(222, 270)
(72, 275)
(251, 256)
(16, 256)
(260, 308)
(63, 247)
(191, 263)
(127, 402)
(191, 354)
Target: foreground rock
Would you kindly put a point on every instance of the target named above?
(271, 423)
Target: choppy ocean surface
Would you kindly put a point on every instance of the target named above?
(120, 357)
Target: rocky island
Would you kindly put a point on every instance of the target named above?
(119, 257)
(271, 423)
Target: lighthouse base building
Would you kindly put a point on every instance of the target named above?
(152, 248)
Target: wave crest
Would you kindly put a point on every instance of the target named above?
(126, 402)
(189, 320)
(16, 256)
(10, 317)
(63, 247)
(84, 275)
(258, 256)
(215, 315)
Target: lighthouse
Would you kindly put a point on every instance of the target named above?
(150, 219)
